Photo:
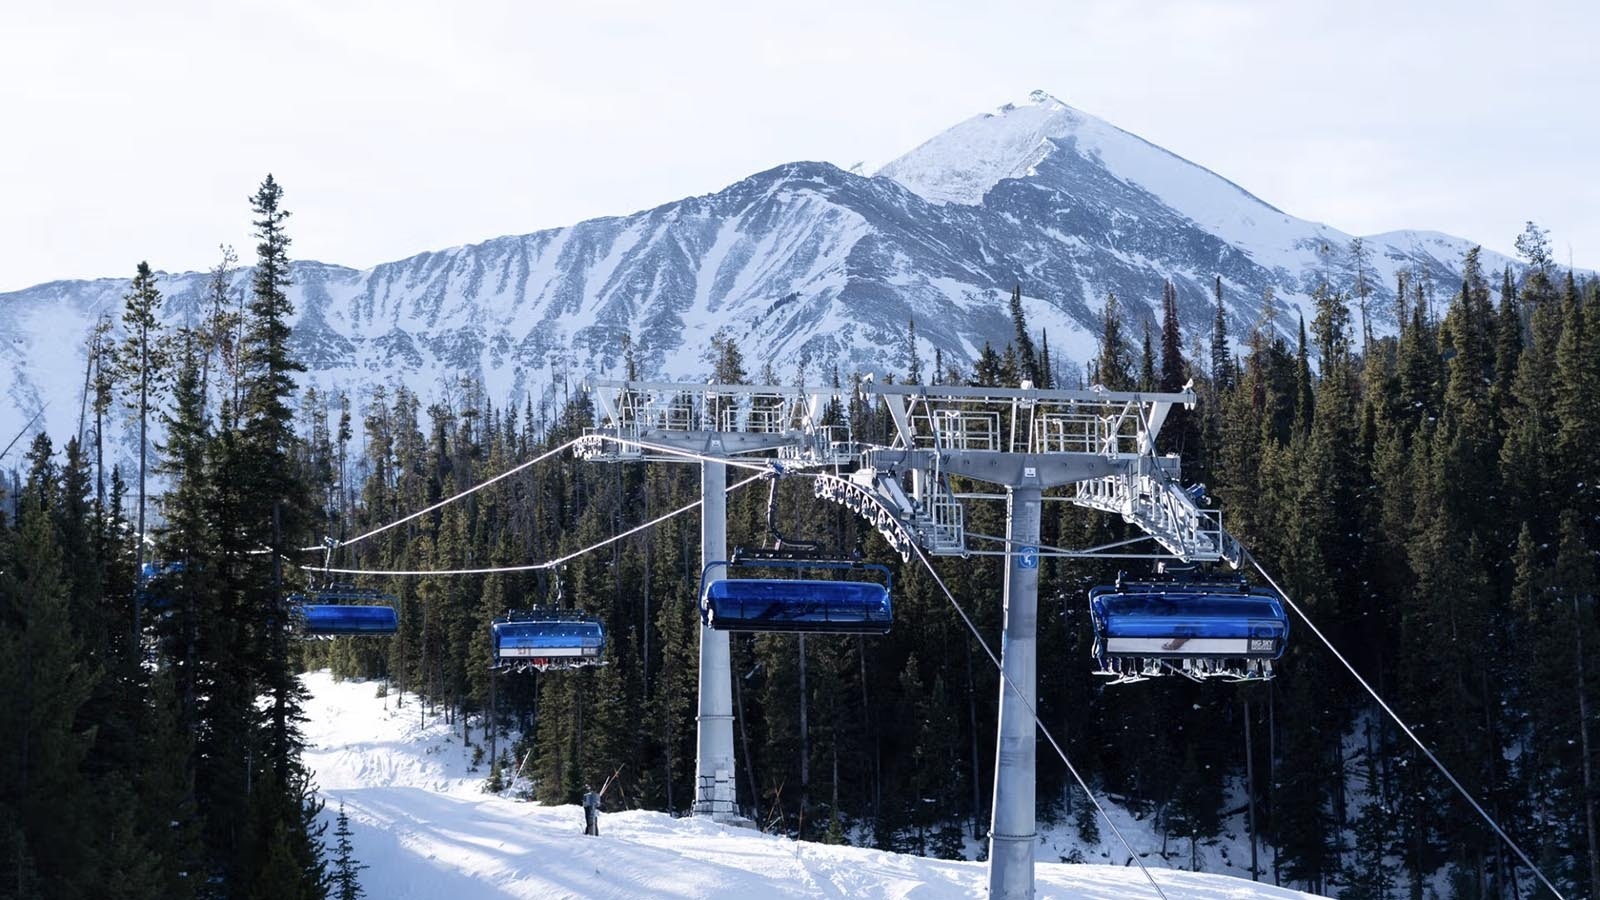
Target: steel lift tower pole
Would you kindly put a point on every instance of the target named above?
(1011, 825)
(713, 425)
(1027, 441)
(714, 761)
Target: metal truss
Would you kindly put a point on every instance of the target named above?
(716, 420)
(1100, 442)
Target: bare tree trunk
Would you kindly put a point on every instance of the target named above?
(805, 740)
(1250, 790)
(877, 749)
(744, 741)
(835, 803)
(144, 414)
(972, 724)
(1272, 777)
(1583, 748)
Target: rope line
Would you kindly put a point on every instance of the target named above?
(656, 448)
(548, 564)
(446, 501)
(1403, 726)
(1133, 854)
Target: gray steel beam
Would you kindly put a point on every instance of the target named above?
(711, 443)
(1011, 826)
(1040, 470)
(715, 793)
(962, 392)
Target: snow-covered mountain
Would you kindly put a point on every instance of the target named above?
(804, 262)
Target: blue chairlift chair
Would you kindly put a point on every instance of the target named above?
(1197, 627)
(344, 610)
(796, 605)
(546, 639)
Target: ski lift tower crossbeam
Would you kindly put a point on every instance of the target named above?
(1028, 440)
(712, 424)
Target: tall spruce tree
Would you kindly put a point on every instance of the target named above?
(141, 369)
(1221, 353)
(42, 793)
(1027, 357)
(346, 869)
(1113, 368)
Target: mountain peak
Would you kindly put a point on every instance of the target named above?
(1045, 98)
(961, 164)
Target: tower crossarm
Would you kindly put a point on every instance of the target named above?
(1100, 442)
(649, 419)
(1026, 419)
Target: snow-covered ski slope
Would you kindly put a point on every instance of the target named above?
(425, 828)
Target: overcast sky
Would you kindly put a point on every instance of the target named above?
(134, 131)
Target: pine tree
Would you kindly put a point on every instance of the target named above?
(102, 361)
(1304, 397)
(1147, 363)
(1221, 355)
(1531, 422)
(1027, 358)
(346, 870)
(278, 494)
(141, 363)
(1575, 584)
(1174, 370)
(278, 877)
(913, 357)
(167, 815)
(187, 537)
(218, 333)
(1196, 800)
(1369, 875)
(1507, 343)
(44, 684)
(1576, 460)
(1533, 245)
(1114, 366)
(1361, 285)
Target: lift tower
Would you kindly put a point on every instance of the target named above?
(713, 425)
(1027, 441)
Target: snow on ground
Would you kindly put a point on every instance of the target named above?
(423, 825)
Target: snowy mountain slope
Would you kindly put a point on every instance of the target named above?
(803, 263)
(1049, 145)
(426, 829)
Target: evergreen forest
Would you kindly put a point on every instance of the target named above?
(1430, 497)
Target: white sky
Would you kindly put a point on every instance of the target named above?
(134, 131)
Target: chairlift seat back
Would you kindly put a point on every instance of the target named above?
(797, 606)
(547, 636)
(344, 620)
(1187, 621)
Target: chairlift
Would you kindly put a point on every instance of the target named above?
(345, 610)
(341, 609)
(1184, 624)
(545, 638)
(795, 605)
(154, 589)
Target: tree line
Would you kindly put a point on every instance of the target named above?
(152, 718)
